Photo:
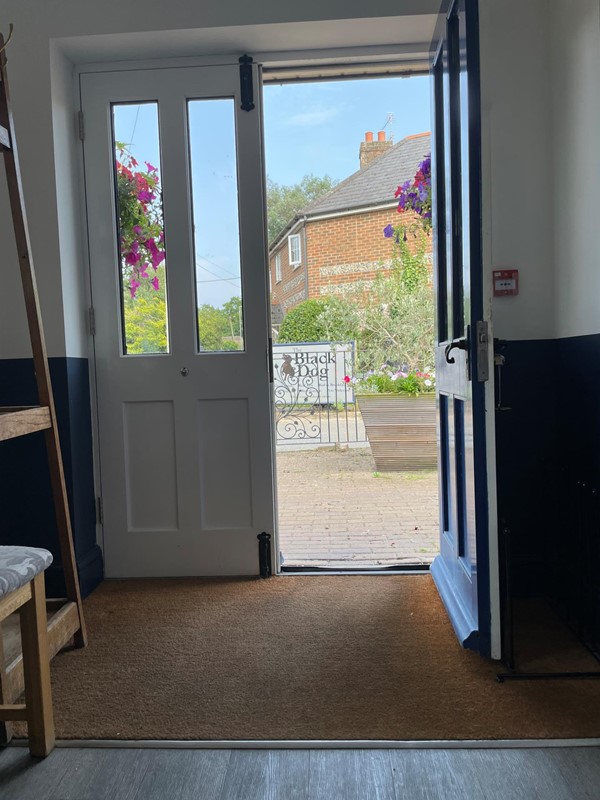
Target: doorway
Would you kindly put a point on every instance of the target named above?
(352, 315)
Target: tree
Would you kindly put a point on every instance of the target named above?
(216, 326)
(232, 310)
(145, 324)
(283, 202)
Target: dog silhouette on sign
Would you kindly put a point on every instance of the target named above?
(287, 370)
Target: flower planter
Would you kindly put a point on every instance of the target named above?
(401, 430)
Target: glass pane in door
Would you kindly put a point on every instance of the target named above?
(141, 240)
(214, 181)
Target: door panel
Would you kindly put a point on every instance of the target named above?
(461, 571)
(184, 427)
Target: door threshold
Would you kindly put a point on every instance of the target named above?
(405, 569)
(318, 744)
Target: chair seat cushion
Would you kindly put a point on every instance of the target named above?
(19, 565)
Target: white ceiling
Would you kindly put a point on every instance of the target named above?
(383, 36)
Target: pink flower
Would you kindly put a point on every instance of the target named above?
(145, 197)
(156, 255)
(155, 282)
(150, 167)
(143, 269)
(132, 258)
(346, 379)
(133, 286)
(137, 229)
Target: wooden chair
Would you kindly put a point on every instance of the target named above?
(22, 589)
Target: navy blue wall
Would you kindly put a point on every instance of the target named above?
(26, 507)
(548, 473)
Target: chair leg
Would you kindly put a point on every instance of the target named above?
(36, 671)
(5, 727)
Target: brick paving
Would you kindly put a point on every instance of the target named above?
(335, 510)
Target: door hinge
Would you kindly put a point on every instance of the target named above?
(270, 360)
(482, 349)
(264, 554)
(80, 126)
(92, 320)
(246, 85)
(99, 511)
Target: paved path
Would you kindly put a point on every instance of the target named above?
(336, 511)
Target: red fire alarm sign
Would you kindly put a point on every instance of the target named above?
(506, 282)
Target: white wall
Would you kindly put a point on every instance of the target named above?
(43, 111)
(517, 147)
(576, 165)
(528, 136)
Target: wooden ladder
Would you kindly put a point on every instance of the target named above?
(67, 621)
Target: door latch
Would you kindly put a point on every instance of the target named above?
(455, 344)
(482, 345)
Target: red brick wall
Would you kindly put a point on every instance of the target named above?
(344, 252)
(291, 290)
(340, 253)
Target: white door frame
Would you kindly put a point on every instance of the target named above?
(369, 55)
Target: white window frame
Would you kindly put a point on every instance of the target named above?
(278, 267)
(298, 261)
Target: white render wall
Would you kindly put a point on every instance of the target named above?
(40, 76)
(576, 165)
(517, 153)
(531, 72)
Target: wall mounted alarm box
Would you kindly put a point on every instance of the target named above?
(506, 282)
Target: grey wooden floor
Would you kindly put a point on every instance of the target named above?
(125, 774)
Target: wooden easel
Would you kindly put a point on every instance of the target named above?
(66, 621)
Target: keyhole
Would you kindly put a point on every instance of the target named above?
(184, 372)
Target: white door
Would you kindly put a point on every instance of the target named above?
(175, 203)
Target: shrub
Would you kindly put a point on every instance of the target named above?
(302, 323)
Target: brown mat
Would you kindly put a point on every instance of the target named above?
(298, 657)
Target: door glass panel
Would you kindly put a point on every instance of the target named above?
(140, 229)
(213, 164)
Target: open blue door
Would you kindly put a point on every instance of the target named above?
(461, 571)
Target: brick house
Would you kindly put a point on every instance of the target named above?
(336, 244)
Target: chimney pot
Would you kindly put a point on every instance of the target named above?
(369, 136)
(381, 136)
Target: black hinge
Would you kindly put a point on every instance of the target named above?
(264, 554)
(270, 360)
(246, 85)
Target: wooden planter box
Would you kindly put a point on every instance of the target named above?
(401, 430)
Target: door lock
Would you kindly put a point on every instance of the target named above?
(184, 372)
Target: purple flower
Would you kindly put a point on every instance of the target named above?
(155, 282)
(137, 229)
(145, 197)
(388, 231)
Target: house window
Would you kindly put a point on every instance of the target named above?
(294, 250)
(277, 267)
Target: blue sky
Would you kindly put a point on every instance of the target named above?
(318, 127)
(309, 128)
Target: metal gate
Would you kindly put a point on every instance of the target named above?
(314, 395)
